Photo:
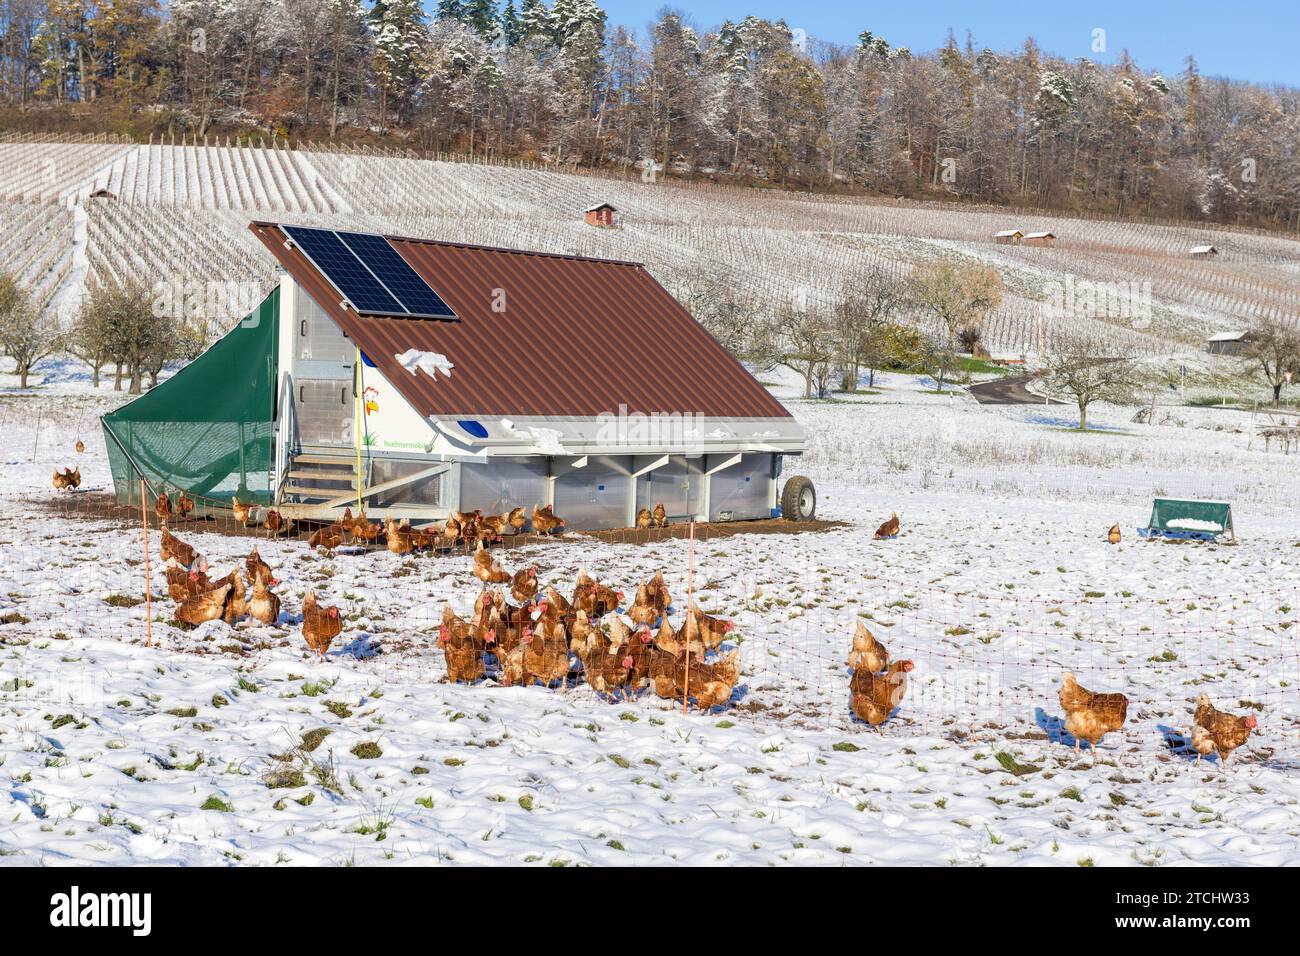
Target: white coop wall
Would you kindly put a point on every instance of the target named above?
(744, 489)
(678, 485)
(503, 483)
(596, 496)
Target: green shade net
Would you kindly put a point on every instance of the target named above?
(1177, 515)
(207, 430)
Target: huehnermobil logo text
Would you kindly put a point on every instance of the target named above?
(74, 909)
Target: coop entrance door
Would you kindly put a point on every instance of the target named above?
(326, 411)
(324, 369)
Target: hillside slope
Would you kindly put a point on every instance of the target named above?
(179, 213)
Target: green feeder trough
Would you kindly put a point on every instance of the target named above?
(1182, 518)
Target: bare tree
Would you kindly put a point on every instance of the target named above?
(27, 335)
(803, 339)
(867, 303)
(959, 296)
(1082, 368)
(182, 343)
(1277, 350)
(88, 339)
(718, 299)
(134, 334)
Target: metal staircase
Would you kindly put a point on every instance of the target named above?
(317, 478)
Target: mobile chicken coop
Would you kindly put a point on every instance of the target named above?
(420, 377)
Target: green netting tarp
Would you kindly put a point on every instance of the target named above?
(209, 429)
(1186, 516)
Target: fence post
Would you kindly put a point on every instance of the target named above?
(148, 583)
(690, 591)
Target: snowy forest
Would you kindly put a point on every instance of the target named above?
(754, 102)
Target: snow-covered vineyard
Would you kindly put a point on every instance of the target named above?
(240, 745)
(179, 213)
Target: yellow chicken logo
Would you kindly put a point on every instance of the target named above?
(368, 400)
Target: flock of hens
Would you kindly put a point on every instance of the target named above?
(542, 637)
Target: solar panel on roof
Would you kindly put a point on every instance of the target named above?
(396, 275)
(369, 273)
(347, 274)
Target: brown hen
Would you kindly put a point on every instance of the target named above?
(1090, 716)
(873, 696)
(1218, 732)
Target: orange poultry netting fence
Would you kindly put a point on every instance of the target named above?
(987, 663)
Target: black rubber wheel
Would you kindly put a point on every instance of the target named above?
(799, 499)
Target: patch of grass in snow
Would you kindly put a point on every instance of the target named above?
(324, 773)
(338, 708)
(214, 802)
(1072, 793)
(312, 739)
(367, 750)
(377, 823)
(284, 778)
(184, 712)
(845, 747)
(219, 700)
(13, 617)
(1011, 766)
(620, 761)
(123, 600)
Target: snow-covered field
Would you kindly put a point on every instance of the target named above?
(193, 751)
(179, 214)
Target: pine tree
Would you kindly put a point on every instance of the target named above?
(450, 10)
(535, 20)
(509, 27)
(399, 31)
(481, 16)
(568, 17)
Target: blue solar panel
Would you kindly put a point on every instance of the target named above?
(396, 275)
(344, 270)
(369, 273)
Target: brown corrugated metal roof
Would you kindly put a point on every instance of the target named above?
(576, 337)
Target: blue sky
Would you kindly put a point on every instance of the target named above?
(1245, 39)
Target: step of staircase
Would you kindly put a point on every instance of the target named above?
(309, 475)
(314, 478)
(337, 461)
